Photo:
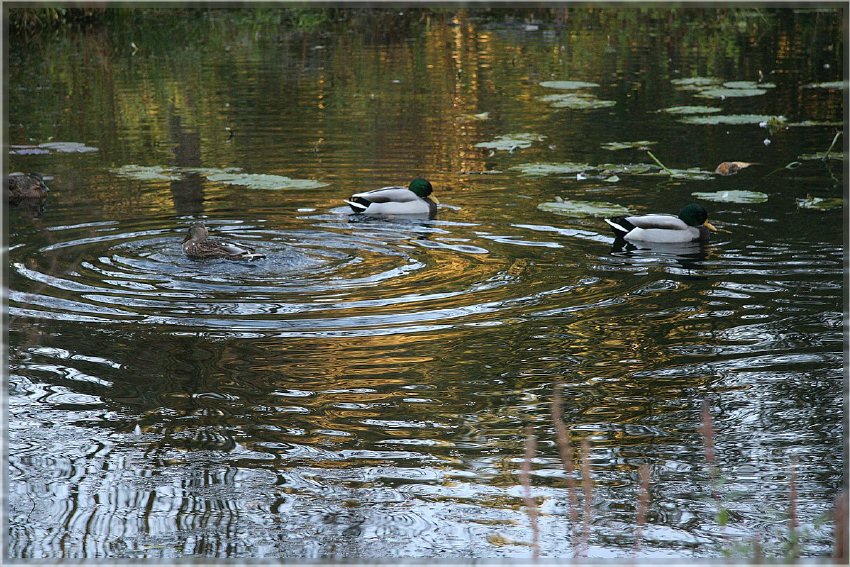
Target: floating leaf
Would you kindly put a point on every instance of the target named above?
(577, 101)
(822, 156)
(829, 85)
(692, 109)
(50, 147)
(692, 173)
(731, 167)
(804, 123)
(510, 142)
(627, 168)
(206, 171)
(734, 196)
(264, 181)
(474, 117)
(748, 85)
(567, 85)
(539, 169)
(27, 150)
(627, 145)
(583, 208)
(695, 83)
(734, 119)
(721, 92)
(230, 176)
(145, 172)
(820, 204)
(68, 147)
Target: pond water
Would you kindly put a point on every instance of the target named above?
(366, 390)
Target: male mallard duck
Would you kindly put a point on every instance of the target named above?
(690, 226)
(411, 200)
(198, 245)
(25, 186)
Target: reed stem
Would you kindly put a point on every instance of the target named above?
(643, 502)
(565, 449)
(661, 165)
(530, 502)
(587, 486)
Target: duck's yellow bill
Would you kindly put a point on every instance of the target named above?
(436, 201)
(710, 226)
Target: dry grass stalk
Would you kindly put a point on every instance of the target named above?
(758, 553)
(708, 432)
(587, 486)
(792, 507)
(565, 449)
(841, 534)
(530, 502)
(643, 502)
(792, 498)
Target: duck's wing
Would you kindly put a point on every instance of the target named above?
(663, 222)
(387, 195)
(237, 251)
(215, 248)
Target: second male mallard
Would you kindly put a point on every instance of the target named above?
(690, 226)
(415, 199)
(198, 245)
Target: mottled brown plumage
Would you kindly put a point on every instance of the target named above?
(25, 187)
(198, 245)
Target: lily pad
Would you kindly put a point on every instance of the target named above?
(829, 85)
(540, 169)
(748, 85)
(733, 196)
(510, 142)
(627, 145)
(264, 181)
(577, 101)
(820, 204)
(145, 172)
(822, 156)
(722, 92)
(733, 119)
(567, 85)
(627, 168)
(50, 147)
(695, 83)
(583, 208)
(692, 109)
(207, 171)
(27, 150)
(230, 176)
(68, 147)
(807, 123)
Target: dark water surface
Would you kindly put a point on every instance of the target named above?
(365, 391)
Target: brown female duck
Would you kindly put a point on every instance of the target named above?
(198, 245)
(25, 187)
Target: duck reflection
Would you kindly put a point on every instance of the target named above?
(690, 255)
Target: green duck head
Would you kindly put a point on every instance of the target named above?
(422, 187)
(695, 215)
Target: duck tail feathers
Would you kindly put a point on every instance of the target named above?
(358, 204)
(251, 256)
(620, 226)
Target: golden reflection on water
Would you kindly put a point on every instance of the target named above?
(419, 385)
